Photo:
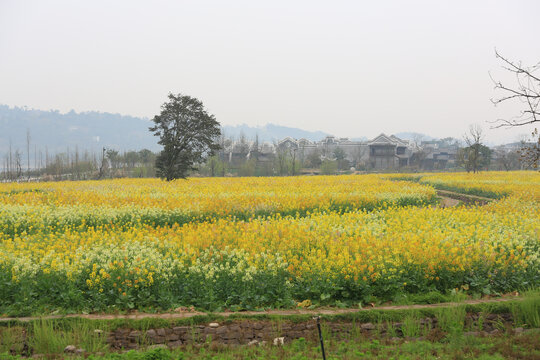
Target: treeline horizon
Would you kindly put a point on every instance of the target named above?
(35, 164)
(75, 164)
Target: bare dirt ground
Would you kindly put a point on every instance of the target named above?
(183, 313)
(466, 198)
(451, 199)
(448, 202)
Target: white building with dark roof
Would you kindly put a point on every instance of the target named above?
(381, 153)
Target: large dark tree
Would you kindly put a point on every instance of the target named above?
(188, 135)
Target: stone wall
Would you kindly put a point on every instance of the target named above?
(250, 332)
(232, 333)
(271, 332)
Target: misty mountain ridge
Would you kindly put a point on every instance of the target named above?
(271, 132)
(414, 136)
(94, 130)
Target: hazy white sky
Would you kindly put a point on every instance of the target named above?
(350, 68)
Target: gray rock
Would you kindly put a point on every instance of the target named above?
(70, 349)
(208, 330)
(173, 337)
(368, 326)
(180, 329)
(159, 339)
(175, 344)
(213, 325)
(232, 335)
(253, 342)
(221, 330)
(295, 334)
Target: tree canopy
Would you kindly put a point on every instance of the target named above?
(476, 155)
(187, 133)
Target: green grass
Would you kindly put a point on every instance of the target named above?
(527, 312)
(452, 320)
(372, 315)
(10, 339)
(52, 336)
(525, 346)
(431, 297)
(411, 326)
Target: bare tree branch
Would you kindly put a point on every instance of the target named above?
(527, 91)
(519, 68)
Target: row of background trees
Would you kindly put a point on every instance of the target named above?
(76, 164)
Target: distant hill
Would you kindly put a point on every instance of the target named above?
(271, 132)
(93, 130)
(87, 130)
(414, 136)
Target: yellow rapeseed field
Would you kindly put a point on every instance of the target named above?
(255, 242)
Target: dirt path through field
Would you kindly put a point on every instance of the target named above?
(321, 311)
(450, 198)
(448, 202)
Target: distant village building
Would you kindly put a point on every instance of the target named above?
(438, 155)
(381, 153)
(389, 152)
